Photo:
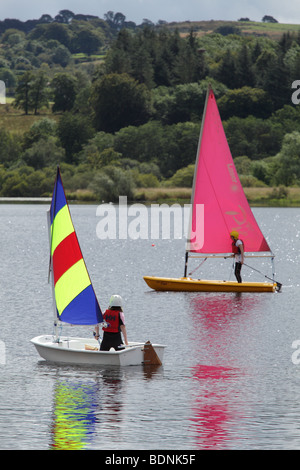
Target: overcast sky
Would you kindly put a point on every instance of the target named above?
(169, 10)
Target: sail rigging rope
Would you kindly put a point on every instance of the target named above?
(267, 277)
(192, 272)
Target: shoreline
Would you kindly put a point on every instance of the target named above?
(257, 197)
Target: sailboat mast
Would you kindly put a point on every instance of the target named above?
(194, 182)
(50, 274)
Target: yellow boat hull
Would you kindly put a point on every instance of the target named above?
(200, 285)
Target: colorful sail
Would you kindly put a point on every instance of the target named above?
(75, 298)
(217, 189)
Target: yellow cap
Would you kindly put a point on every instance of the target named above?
(234, 234)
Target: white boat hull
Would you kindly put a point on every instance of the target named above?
(79, 351)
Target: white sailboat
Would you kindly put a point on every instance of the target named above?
(218, 191)
(75, 301)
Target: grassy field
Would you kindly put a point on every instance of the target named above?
(269, 197)
(257, 28)
(256, 196)
(14, 120)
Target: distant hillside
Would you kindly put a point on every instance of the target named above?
(114, 22)
(254, 28)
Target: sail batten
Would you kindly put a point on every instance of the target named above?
(218, 188)
(74, 295)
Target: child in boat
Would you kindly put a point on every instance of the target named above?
(114, 317)
(238, 253)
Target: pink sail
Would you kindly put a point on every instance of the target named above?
(219, 204)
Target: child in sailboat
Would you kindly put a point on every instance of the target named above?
(238, 253)
(114, 317)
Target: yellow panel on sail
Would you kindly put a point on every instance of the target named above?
(63, 227)
(70, 284)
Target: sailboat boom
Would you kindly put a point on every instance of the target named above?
(229, 255)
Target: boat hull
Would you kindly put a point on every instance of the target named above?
(199, 285)
(82, 351)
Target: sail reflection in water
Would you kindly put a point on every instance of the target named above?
(213, 413)
(218, 321)
(75, 414)
(222, 376)
(92, 411)
(83, 407)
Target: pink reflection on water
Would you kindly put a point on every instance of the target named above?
(220, 326)
(212, 412)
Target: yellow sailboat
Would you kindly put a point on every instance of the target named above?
(218, 207)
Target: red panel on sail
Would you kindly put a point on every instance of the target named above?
(218, 188)
(65, 255)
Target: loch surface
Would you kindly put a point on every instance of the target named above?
(230, 378)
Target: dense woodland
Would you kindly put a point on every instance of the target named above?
(119, 105)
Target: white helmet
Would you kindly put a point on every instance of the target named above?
(116, 301)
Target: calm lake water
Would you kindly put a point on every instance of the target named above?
(228, 379)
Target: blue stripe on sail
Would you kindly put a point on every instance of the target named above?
(58, 198)
(83, 310)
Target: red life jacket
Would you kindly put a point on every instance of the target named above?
(236, 249)
(112, 318)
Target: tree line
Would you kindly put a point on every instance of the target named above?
(132, 117)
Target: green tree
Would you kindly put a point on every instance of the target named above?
(61, 56)
(64, 91)
(12, 36)
(288, 172)
(118, 58)
(226, 72)
(98, 151)
(118, 61)
(269, 19)
(44, 152)
(183, 177)
(277, 83)
(8, 77)
(244, 68)
(261, 171)
(111, 183)
(74, 131)
(14, 185)
(263, 62)
(22, 95)
(87, 39)
(42, 128)
(244, 101)
(31, 92)
(66, 16)
(168, 48)
(187, 103)
(115, 20)
(58, 32)
(189, 64)
(119, 101)
(142, 69)
(38, 92)
(253, 137)
(170, 147)
(10, 147)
